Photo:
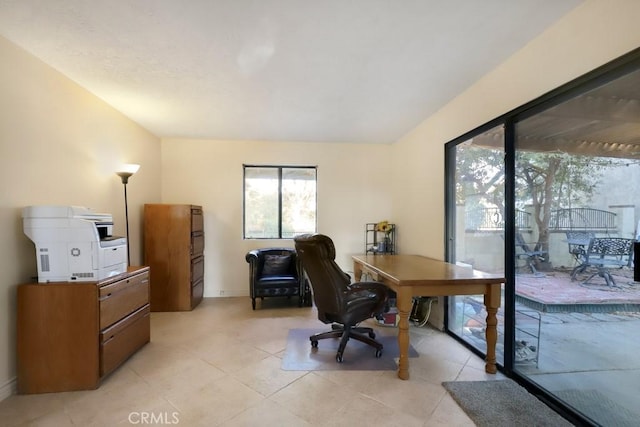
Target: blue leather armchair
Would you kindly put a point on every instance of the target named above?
(276, 272)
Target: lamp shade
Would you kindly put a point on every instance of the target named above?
(126, 170)
(130, 168)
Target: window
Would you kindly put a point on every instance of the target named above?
(279, 201)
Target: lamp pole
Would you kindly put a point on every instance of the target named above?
(126, 172)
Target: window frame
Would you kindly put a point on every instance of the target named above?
(279, 169)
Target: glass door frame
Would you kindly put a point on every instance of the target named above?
(599, 76)
(509, 237)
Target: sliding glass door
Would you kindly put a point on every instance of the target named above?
(577, 174)
(477, 233)
(549, 196)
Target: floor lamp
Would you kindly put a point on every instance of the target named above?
(125, 172)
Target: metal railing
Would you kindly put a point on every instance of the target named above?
(492, 219)
(582, 219)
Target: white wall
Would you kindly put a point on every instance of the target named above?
(591, 35)
(59, 144)
(353, 189)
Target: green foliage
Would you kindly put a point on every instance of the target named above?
(556, 180)
(544, 181)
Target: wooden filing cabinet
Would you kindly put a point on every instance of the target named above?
(70, 335)
(174, 249)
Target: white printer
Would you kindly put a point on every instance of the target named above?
(74, 243)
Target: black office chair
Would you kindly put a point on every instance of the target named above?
(339, 301)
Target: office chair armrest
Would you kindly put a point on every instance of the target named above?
(367, 285)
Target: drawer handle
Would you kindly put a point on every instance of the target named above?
(130, 284)
(107, 296)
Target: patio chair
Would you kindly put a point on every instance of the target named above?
(578, 242)
(531, 256)
(606, 252)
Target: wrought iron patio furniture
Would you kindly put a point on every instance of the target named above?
(604, 253)
(578, 242)
(531, 256)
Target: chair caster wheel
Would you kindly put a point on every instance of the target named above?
(339, 357)
(378, 354)
(314, 344)
(372, 335)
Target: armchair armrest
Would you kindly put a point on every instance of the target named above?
(252, 255)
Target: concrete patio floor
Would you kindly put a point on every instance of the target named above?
(589, 336)
(584, 338)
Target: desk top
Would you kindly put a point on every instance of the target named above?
(411, 270)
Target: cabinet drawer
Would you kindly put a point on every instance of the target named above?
(121, 340)
(196, 293)
(197, 269)
(197, 220)
(197, 243)
(119, 299)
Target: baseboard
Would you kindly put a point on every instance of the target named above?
(8, 389)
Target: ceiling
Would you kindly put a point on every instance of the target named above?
(601, 122)
(286, 70)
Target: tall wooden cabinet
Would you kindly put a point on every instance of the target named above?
(174, 249)
(70, 335)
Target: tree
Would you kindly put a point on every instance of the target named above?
(544, 181)
(550, 181)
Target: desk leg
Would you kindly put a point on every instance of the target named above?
(492, 303)
(357, 271)
(404, 308)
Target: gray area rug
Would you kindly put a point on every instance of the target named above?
(502, 403)
(599, 407)
(300, 356)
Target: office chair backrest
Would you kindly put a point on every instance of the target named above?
(317, 253)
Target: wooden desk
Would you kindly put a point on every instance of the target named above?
(414, 275)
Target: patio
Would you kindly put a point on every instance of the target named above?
(558, 322)
(588, 332)
(555, 292)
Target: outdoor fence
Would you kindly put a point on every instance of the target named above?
(492, 219)
(582, 219)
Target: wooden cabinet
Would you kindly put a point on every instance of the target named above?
(174, 249)
(70, 335)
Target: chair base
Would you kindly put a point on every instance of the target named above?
(362, 334)
(300, 299)
(600, 271)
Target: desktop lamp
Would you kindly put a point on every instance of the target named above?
(125, 172)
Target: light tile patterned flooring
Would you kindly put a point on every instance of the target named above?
(219, 365)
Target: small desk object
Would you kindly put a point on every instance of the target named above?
(414, 275)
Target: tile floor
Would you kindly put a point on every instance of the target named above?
(219, 365)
